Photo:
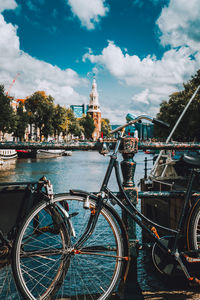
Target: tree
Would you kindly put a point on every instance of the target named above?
(21, 122)
(7, 114)
(189, 127)
(40, 108)
(87, 123)
(70, 124)
(75, 128)
(46, 124)
(105, 127)
(59, 120)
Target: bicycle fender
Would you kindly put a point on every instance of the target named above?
(81, 193)
(65, 213)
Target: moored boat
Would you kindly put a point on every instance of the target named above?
(25, 153)
(6, 154)
(67, 153)
(49, 153)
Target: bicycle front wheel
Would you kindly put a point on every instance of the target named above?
(93, 270)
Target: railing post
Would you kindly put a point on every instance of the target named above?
(130, 147)
(145, 168)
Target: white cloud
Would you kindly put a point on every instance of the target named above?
(7, 4)
(142, 97)
(34, 74)
(88, 11)
(179, 24)
(157, 78)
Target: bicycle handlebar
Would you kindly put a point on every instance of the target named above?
(160, 123)
(142, 117)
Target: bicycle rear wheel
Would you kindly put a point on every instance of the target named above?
(193, 227)
(93, 270)
(39, 262)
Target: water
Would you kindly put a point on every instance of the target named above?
(83, 170)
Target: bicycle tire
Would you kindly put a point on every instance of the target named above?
(95, 269)
(193, 227)
(38, 263)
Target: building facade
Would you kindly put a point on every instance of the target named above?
(79, 110)
(94, 111)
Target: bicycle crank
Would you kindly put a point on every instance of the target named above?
(164, 262)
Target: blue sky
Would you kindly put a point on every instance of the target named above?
(140, 50)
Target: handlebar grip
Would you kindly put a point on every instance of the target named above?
(160, 123)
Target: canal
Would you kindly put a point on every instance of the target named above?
(83, 170)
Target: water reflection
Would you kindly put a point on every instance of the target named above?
(7, 168)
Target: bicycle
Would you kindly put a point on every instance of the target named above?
(95, 254)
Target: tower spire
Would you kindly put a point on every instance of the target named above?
(94, 98)
(94, 110)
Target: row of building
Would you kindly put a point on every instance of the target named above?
(143, 131)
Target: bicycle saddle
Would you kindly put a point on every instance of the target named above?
(193, 161)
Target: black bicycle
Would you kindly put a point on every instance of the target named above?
(91, 258)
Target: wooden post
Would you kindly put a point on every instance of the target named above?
(130, 147)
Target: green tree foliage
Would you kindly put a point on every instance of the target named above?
(40, 109)
(105, 127)
(7, 115)
(21, 122)
(70, 125)
(189, 127)
(75, 128)
(87, 123)
(59, 120)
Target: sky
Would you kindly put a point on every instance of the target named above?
(141, 51)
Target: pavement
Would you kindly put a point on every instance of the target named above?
(171, 295)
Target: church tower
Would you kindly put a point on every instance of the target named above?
(94, 111)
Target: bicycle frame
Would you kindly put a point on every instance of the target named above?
(134, 213)
(105, 195)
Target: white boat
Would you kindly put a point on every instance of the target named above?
(49, 153)
(6, 154)
(67, 153)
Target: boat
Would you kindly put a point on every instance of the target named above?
(6, 154)
(48, 153)
(67, 153)
(25, 153)
(147, 152)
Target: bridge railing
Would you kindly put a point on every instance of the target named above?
(94, 145)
